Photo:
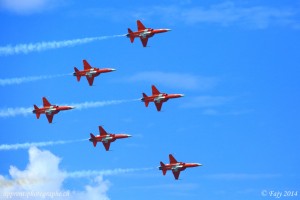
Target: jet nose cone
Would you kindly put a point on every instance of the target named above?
(181, 95)
(168, 29)
(111, 69)
(71, 107)
(198, 164)
(129, 135)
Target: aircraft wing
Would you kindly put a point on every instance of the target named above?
(144, 41)
(86, 65)
(176, 174)
(50, 117)
(106, 145)
(140, 25)
(46, 102)
(155, 91)
(102, 131)
(158, 105)
(172, 159)
(90, 80)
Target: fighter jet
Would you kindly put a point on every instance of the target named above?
(90, 72)
(144, 33)
(158, 98)
(106, 138)
(49, 110)
(176, 166)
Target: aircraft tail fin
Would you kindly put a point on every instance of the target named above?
(77, 74)
(36, 113)
(163, 168)
(131, 36)
(146, 102)
(93, 139)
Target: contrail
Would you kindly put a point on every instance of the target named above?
(109, 172)
(6, 147)
(42, 46)
(95, 104)
(12, 112)
(20, 80)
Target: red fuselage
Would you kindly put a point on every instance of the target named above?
(180, 166)
(143, 33)
(175, 166)
(106, 138)
(93, 72)
(109, 137)
(147, 33)
(163, 97)
(51, 110)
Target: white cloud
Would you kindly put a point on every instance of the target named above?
(41, 174)
(229, 13)
(28, 6)
(207, 102)
(97, 192)
(42, 178)
(175, 80)
(213, 111)
(215, 105)
(224, 14)
(242, 176)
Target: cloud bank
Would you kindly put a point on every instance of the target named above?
(225, 14)
(43, 176)
(29, 6)
(175, 80)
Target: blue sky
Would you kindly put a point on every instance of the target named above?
(235, 61)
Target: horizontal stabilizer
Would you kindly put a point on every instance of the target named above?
(144, 98)
(131, 36)
(77, 74)
(163, 168)
(36, 111)
(93, 139)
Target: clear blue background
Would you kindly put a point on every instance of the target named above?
(242, 122)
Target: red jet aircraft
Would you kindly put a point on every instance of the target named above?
(158, 98)
(90, 72)
(49, 110)
(176, 166)
(106, 138)
(144, 33)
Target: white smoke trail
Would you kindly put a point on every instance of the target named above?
(42, 46)
(12, 112)
(95, 104)
(6, 147)
(109, 172)
(15, 81)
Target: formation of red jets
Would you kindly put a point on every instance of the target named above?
(157, 97)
